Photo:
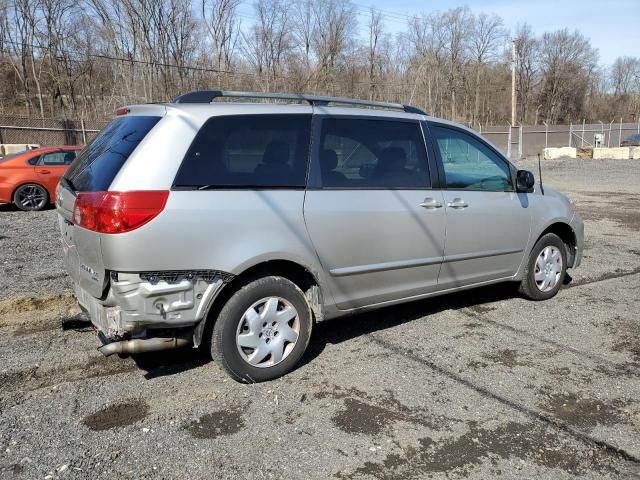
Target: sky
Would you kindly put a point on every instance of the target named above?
(613, 26)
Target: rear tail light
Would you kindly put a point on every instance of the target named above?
(117, 212)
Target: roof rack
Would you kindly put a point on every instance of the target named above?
(207, 96)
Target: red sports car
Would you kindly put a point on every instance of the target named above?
(29, 178)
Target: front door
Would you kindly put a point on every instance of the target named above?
(488, 223)
(375, 223)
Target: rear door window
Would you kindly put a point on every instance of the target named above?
(251, 151)
(359, 153)
(57, 158)
(100, 161)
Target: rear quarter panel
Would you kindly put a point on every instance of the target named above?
(227, 230)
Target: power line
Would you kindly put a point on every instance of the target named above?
(169, 65)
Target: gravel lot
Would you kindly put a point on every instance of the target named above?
(481, 384)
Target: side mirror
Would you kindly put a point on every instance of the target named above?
(525, 181)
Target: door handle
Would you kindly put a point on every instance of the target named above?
(457, 203)
(44, 171)
(430, 203)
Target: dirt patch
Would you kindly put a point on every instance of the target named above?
(585, 413)
(29, 304)
(481, 309)
(625, 217)
(366, 414)
(617, 273)
(628, 334)
(117, 416)
(507, 357)
(34, 378)
(475, 364)
(361, 417)
(216, 424)
(528, 442)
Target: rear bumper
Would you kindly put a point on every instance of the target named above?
(133, 306)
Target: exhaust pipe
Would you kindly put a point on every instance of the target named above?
(140, 345)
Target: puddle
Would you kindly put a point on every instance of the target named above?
(585, 412)
(216, 424)
(116, 416)
(529, 442)
(507, 357)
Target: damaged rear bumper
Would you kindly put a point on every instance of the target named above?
(137, 303)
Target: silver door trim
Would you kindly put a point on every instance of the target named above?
(489, 253)
(381, 267)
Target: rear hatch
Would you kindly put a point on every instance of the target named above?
(93, 171)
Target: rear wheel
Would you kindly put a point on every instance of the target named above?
(546, 268)
(263, 330)
(30, 197)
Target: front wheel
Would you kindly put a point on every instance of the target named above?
(30, 197)
(546, 268)
(263, 330)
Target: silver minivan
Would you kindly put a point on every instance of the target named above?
(237, 226)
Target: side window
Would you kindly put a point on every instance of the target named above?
(53, 159)
(359, 153)
(469, 164)
(248, 151)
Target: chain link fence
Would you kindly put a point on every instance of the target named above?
(47, 131)
(514, 141)
(529, 140)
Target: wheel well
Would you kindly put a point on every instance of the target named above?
(292, 271)
(567, 235)
(30, 183)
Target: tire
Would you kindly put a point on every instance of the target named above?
(254, 339)
(546, 268)
(30, 197)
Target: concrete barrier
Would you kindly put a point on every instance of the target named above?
(635, 153)
(11, 148)
(554, 153)
(617, 153)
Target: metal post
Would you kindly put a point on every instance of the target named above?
(620, 133)
(520, 142)
(570, 132)
(546, 134)
(513, 82)
(509, 142)
(609, 137)
(84, 133)
(582, 141)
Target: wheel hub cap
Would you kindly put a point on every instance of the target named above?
(548, 268)
(267, 332)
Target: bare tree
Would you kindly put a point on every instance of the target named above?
(527, 68)
(567, 62)
(221, 20)
(487, 36)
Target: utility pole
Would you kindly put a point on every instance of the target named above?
(513, 82)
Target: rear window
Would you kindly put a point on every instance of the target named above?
(100, 161)
(249, 151)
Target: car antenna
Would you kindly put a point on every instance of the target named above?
(540, 174)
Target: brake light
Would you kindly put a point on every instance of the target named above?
(117, 212)
(122, 111)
